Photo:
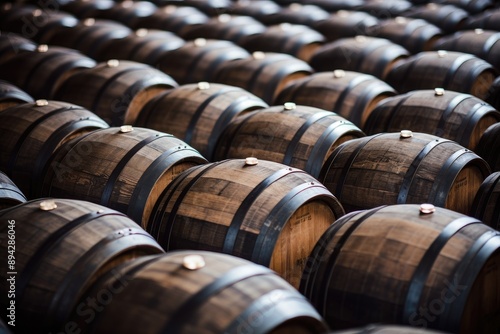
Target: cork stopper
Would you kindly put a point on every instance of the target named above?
(169, 9)
(193, 262)
(438, 91)
(48, 205)
(113, 63)
(427, 208)
(251, 161)
(89, 22)
(203, 85)
(224, 18)
(41, 103)
(200, 42)
(42, 48)
(37, 12)
(400, 20)
(296, 7)
(478, 31)
(337, 74)
(360, 39)
(343, 13)
(442, 53)
(289, 106)
(141, 32)
(126, 128)
(406, 134)
(258, 55)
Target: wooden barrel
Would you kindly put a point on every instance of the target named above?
(488, 20)
(447, 17)
(387, 329)
(124, 168)
(264, 74)
(486, 203)
(10, 194)
(87, 8)
(61, 247)
(370, 55)
(385, 8)
(198, 113)
(409, 265)
(455, 71)
(352, 95)
(31, 132)
(143, 46)
(297, 40)
(263, 211)
(127, 12)
(415, 35)
(456, 116)
(345, 23)
(197, 292)
(488, 147)
(298, 136)
(336, 5)
(41, 72)
(471, 6)
(115, 90)
(209, 7)
(199, 60)
(484, 44)
(493, 95)
(11, 95)
(296, 13)
(261, 10)
(11, 44)
(404, 168)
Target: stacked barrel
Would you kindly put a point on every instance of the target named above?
(240, 166)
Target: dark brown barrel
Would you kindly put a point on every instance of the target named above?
(488, 20)
(455, 71)
(386, 329)
(259, 10)
(41, 72)
(345, 23)
(385, 8)
(11, 95)
(115, 90)
(88, 36)
(87, 8)
(493, 96)
(486, 203)
(352, 95)
(263, 211)
(404, 168)
(197, 292)
(31, 132)
(10, 194)
(11, 44)
(451, 115)
(488, 147)
(209, 7)
(484, 44)
(296, 13)
(471, 6)
(447, 17)
(297, 40)
(61, 247)
(415, 35)
(335, 5)
(264, 74)
(199, 60)
(173, 18)
(370, 55)
(405, 264)
(226, 27)
(298, 136)
(143, 46)
(127, 12)
(198, 113)
(125, 169)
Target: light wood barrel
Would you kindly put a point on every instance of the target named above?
(31, 132)
(344, 23)
(486, 203)
(296, 13)
(11, 95)
(220, 294)
(115, 90)
(489, 146)
(352, 95)
(268, 213)
(451, 115)
(404, 168)
(61, 247)
(402, 264)
(11, 44)
(298, 136)
(370, 55)
(488, 20)
(264, 74)
(456, 71)
(447, 17)
(198, 113)
(10, 194)
(125, 169)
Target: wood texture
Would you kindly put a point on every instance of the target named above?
(447, 17)
(197, 113)
(244, 210)
(486, 205)
(11, 95)
(10, 194)
(489, 19)
(345, 23)
(125, 171)
(60, 253)
(386, 169)
(30, 133)
(489, 146)
(157, 294)
(395, 265)
(460, 117)
(302, 137)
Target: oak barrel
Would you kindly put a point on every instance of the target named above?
(31, 132)
(261, 10)
(61, 247)
(493, 95)
(385, 8)
(263, 211)
(115, 90)
(386, 329)
(447, 17)
(264, 74)
(124, 168)
(336, 5)
(209, 7)
(488, 20)
(407, 264)
(404, 168)
(298, 136)
(296, 13)
(10, 194)
(370, 55)
(11, 95)
(352, 95)
(87, 8)
(472, 6)
(345, 23)
(452, 115)
(489, 146)
(127, 12)
(11, 44)
(456, 71)
(198, 113)
(197, 292)
(486, 205)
